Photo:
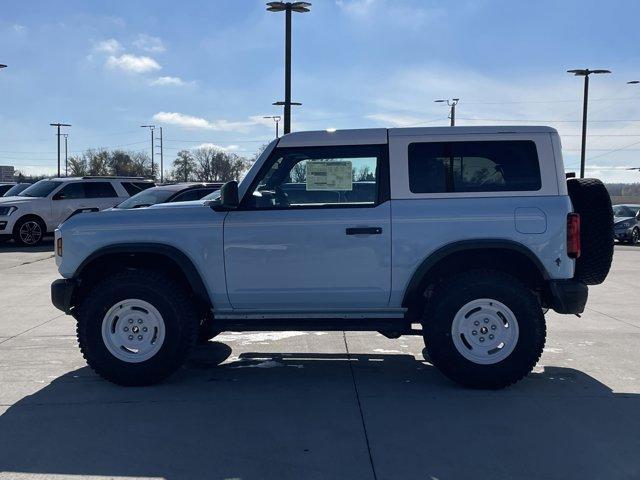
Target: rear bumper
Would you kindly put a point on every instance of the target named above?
(62, 293)
(568, 296)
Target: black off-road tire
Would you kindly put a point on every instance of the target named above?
(592, 201)
(179, 316)
(207, 330)
(27, 220)
(451, 295)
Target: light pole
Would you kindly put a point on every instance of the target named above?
(585, 73)
(151, 129)
(452, 103)
(66, 163)
(58, 125)
(287, 7)
(276, 119)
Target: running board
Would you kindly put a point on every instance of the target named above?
(392, 327)
(341, 313)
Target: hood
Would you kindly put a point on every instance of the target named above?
(17, 200)
(169, 205)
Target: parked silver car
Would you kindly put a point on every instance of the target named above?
(626, 223)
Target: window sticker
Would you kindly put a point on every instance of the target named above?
(329, 175)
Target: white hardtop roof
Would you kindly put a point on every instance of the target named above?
(380, 135)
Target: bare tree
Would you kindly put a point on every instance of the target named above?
(216, 165)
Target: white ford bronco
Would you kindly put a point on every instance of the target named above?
(465, 235)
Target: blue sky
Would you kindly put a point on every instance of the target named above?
(207, 71)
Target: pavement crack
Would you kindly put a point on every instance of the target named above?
(612, 317)
(29, 329)
(364, 425)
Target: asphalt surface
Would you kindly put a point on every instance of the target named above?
(323, 405)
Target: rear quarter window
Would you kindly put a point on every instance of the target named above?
(474, 166)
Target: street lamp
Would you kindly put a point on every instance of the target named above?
(58, 134)
(585, 73)
(287, 7)
(151, 129)
(452, 103)
(276, 119)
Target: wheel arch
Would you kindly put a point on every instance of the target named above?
(498, 254)
(155, 256)
(31, 216)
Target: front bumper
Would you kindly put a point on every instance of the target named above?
(62, 293)
(568, 296)
(623, 235)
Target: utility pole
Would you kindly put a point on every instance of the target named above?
(151, 129)
(276, 119)
(161, 158)
(58, 125)
(585, 103)
(452, 103)
(66, 162)
(287, 7)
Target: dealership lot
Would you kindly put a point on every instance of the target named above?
(291, 405)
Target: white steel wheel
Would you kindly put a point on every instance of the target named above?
(30, 232)
(133, 330)
(485, 331)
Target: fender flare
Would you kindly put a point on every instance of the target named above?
(181, 259)
(464, 245)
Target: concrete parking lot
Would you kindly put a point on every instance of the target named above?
(318, 405)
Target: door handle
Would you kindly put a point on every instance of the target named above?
(364, 231)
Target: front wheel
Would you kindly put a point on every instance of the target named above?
(635, 236)
(484, 329)
(28, 232)
(136, 327)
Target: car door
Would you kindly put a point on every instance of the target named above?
(66, 201)
(312, 232)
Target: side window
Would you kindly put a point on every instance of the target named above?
(99, 190)
(319, 177)
(71, 191)
(491, 166)
(187, 196)
(136, 187)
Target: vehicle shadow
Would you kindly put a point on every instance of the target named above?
(296, 416)
(45, 246)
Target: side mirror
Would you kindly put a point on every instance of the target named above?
(638, 215)
(229, 195)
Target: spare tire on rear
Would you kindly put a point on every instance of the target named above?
(591, 200)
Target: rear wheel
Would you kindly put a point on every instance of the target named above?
(29, 231)
(136, 327)
(484, 329)
(635, 236)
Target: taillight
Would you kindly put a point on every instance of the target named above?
(573, 235)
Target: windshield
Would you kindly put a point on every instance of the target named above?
(40, 189)
(624, 211)
(16, 189)
(151, 196)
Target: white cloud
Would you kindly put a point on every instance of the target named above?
(20, 29)
(198, 123)
(358, 7)
(132, 63)
(168, 81)
(149, 44)
(110, 46)
(228, 148)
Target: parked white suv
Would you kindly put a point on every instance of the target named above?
(40, 208)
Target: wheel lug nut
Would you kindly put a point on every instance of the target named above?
(144, 329)
(475, 332)
(491, 336)
(486, 320)
(126, 329)
(493, 327)
(130, 337)
(131, 320)
(139, 337)
(476, 323)
(139, 320)
(482, 339)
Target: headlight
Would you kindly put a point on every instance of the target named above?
(6, 211)
(623, 225)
